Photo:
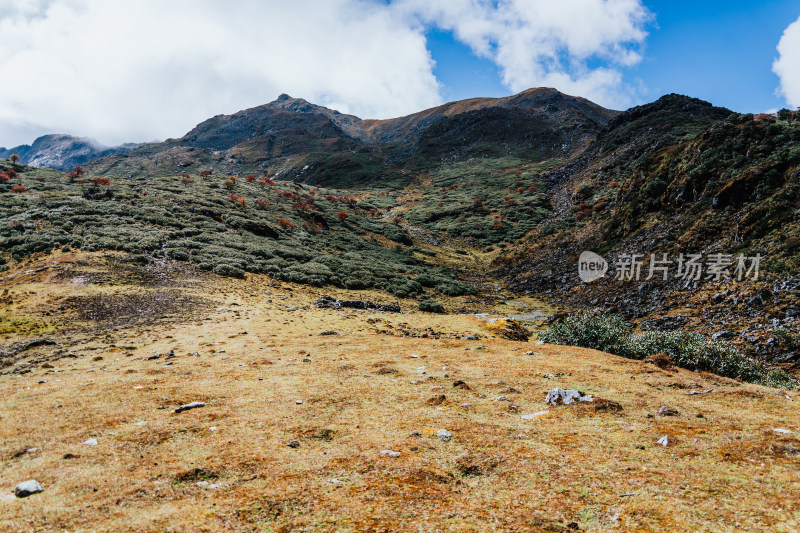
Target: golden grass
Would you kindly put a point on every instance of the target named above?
(362, 393)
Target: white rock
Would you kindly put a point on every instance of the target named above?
(90, 442)
(26, 488)
(781, 430)
(663, 440)
(298, 402)
(391, 453)
(334, 481)
(444, 434)
(142, 423)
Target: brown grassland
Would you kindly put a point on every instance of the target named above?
(592, 467)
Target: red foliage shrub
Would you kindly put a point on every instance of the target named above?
(19, 188)
(531, 188)
(613, 184)
(250, 178)
(300, 205)
(229, 184)
(341, 215)
(4, 178)
(285, 224)
(205, 174)
(11, 173)
(99, 181)
(186, 180)
(331, 198)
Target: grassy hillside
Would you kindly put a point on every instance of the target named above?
(294, 424)
(222, 224)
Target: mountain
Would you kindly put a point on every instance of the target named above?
(496, 196)
(63, 152)
(312, 144)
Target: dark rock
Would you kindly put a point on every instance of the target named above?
(327, 302)
(186, 407)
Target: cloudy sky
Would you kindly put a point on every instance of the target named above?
(138, 70)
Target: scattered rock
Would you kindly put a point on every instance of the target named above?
(694, 392)
(723, 335)
(329, 332)
(667, 411)
(560, 396)
(26, 488)
(327, 302)
(415, 434)
(781, 430)
(444, 435)
(306, 360)
(186, 407)
(391, 453)
(293, 444)
(90, 442)
(663, 440)
(299, 402)
(437, 400)
(461, 385)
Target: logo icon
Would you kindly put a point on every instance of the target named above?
(591, 266)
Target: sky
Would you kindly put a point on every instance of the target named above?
(143, 70)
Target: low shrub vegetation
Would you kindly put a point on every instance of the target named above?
(609, 333)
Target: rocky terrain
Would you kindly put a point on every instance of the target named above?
(162, 397)
(62, 152)
(293, 319)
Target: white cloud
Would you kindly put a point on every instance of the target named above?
(135, 70)
(132, 70)
(787, 66)
(548, 43)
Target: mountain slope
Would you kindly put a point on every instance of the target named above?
(313, 144)
(63, 152)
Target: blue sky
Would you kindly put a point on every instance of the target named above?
(718, 51)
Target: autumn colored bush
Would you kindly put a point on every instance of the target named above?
(285, 224)
(19, 188)
(229, 184)
(99, 181)
(186, 180)
(4, 178)
(250, 178)
(341, 215)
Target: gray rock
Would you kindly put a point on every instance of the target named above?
(26, 488)
(90, 442)
(186, 407)
(566, 397)
(444, 434)
(723, 335)
(391, 453)
(667, 411)
(294, 444)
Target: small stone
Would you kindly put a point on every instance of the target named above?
(391, 453)
(415, 434)
(663, 440)
(667, 411)
(783, 431)
(444, 434)
(299, 402)
(26, 488)
(90, 442)
(306, 360)
(334, 481)
(294, 444)
(534, 416)
(186, 407)
(142, 423)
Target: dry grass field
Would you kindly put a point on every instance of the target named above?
(251, 350)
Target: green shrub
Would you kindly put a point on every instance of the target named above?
(692, 351)
(230, 271)
(607, 333)
(431, 306)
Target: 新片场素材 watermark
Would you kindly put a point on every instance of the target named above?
(687, 267)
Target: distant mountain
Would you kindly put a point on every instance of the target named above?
(63, 152)
(314, 144)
